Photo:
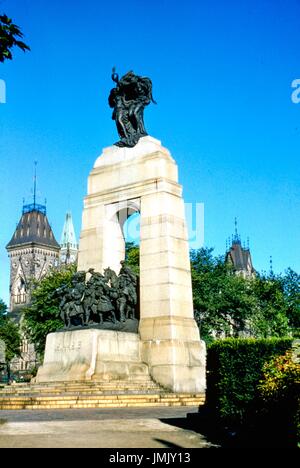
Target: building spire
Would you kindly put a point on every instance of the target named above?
(271, 266)
(236, 238)
(34, 185)
(68, 243)
(34, 206)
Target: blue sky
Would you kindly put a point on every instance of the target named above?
(222, 74)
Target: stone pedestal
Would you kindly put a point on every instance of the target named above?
(145, 179)
(92, 355)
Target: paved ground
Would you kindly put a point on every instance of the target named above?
(106, 428)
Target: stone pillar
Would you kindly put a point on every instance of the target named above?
(145, 179)
(170, 336)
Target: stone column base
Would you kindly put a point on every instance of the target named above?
(176, 356)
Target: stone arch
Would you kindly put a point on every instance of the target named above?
(116, 214)
(132, 228)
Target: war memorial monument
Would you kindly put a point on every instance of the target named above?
(119, 326)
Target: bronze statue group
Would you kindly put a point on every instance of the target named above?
(103, 298)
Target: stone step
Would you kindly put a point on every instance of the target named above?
(109, 401)
(102, 397)
(86, 383)
(81, 389)
(76, 390)
(168, 396)
(95, 406)
(108, 385)
(114, 383)
(77, 395)
(87, 387)
(75, 402)
(93, 394)
(94, 401)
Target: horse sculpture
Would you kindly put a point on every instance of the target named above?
(98, 299)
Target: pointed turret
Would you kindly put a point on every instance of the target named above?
(68, 243)
(239, 256)
(33, 228)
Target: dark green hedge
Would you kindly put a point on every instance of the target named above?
(234, 368)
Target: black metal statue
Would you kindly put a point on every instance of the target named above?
(128, 99)
(103, 299)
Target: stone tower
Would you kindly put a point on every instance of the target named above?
(33, 249)
(68, 243)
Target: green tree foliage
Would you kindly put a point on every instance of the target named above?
(42, 317)
(234, 371)
(279, 390)
(281, 378)
(222, 300)
(269, 316)
(9, 334)
(132, 256)
(3, 309)
(253, 392)
(10, 35)
(291, 288)
(227, 305)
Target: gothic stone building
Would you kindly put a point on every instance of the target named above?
(239, 257)
(33, 250)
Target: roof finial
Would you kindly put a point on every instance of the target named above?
(34, 206)
(271, 266)
(248, 243)
(236, 239)
(34, 186)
